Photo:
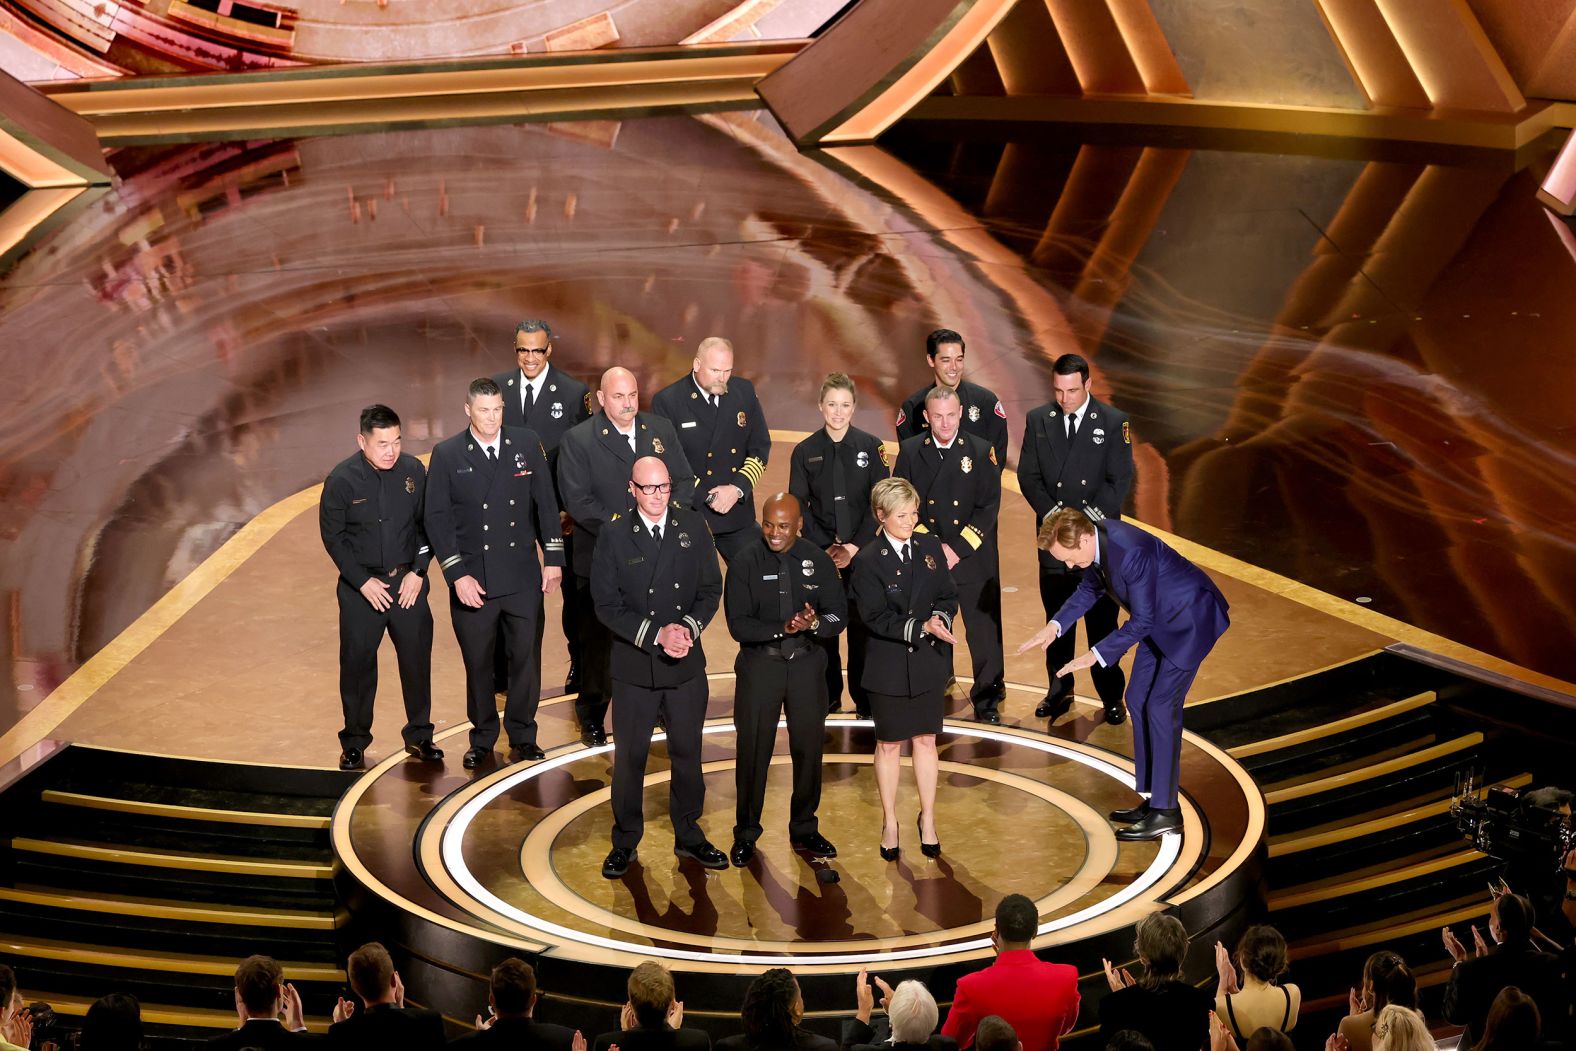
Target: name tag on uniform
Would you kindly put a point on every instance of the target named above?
(816, 459)
(521, 474)
(637, 560)
(464, 470)
(360, 501)
(688, 423)
(772, 576)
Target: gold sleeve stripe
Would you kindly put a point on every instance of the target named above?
(753, 469)
(972, 535)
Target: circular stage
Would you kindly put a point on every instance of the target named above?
(480, 864)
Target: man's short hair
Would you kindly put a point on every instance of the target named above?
(1129, 1040)
(713, 343)
(942, 393)
(1016, 919)
(482, 388)
(377, 417)
(371, 971)
(1064, 529)
(995, 1034)
(257, 981)
(1515, 917)
(940, 338)
(891, 495)
(1068, 364)
(513, 985)
(7, 987)
(837, 381)
(650, 993)
(534, 325)
(1161, 942)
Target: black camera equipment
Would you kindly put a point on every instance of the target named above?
(1498, 823)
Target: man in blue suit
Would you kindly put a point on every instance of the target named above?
(1174, 615)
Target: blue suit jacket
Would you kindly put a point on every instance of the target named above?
(1169, 600)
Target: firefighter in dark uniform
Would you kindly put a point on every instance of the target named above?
(1077, 452)
(959, 485)
(982, 411)
(726, 440)
(594, 463)
(370, 515)
(831, 472)
(655, 583)
(549, 402)
(905, 596)
(783, 596)
(489, 502)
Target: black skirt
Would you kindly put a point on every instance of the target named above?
(899, 718)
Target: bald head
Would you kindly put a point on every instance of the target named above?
(651, 470)
(651, 473)
(781, 520)
(619, 396)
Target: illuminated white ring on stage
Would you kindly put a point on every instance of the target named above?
(453, 838)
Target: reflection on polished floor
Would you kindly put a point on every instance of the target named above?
(1348, 371)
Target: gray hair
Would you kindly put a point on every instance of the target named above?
(534, 325)
(912, 1012)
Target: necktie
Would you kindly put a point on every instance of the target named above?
(1072, 427)
(530, 399)
(716, 401)
(656, 533)
(903, 554)
(784, 575)
(632, 446)
(492, 454)
(842, 513)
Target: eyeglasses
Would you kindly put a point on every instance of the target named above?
(531, 350)
(653, 490)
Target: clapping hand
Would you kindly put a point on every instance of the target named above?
(344, 1009)
(1228, 973)
(1116, 979)
(1042, 638)
(1220, 1038)
(676, 1014)
(1453, 946)
(801, 621)
(290, 1004)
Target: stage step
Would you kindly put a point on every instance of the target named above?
(1359, 786)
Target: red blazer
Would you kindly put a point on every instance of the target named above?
(1038, 999)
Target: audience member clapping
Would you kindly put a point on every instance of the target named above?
(773, 1008)
(16, 1023)
(652, 1017)
(1256, 1002)
(262, 996)
(383, 1020)
(1172, 1014)
(1386, 981)
(1401, 1029)
(911, 1016)
(113, 1023)
(511, 1002)
(1476, 980)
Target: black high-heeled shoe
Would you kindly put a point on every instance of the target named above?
(889, 853)
(930, 850)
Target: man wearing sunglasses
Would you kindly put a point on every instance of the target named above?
(655, 583)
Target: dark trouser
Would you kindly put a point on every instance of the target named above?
(731, 545)
(568, 617)
(683, 708)
(767, 684)
(361, 631)
(1154, 701)
(596, 658)
(980, 604)
(858, 639)
(1100, 621)
(477, 630)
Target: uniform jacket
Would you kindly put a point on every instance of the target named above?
(959, 498)
(594, 467)
(894, 603)
(387, 1026)
(863, 460)
(372, 519)
(485, 520)
(561, 402)
(982, 415)
(725, 445)
(1168, 599)
(1094, 473)
(639, 588)
(1038, 999)
(752, 600)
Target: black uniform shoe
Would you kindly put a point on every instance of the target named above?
(741, 854)
(704, 853)
(1131, 814)
(617, 862)
(1152, 825)
(572, 680)
(475, 757)
(990, 717)
(521, 753)
(815, 845)
(1054, 707)
(1115, 714)
(351, 759)
(593, 737)
(426, 751)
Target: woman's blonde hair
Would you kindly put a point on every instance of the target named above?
(890, 495)
(1401, 1029)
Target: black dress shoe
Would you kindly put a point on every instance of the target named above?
(426, 751)
(522, 753)
(1115, 714)
(890, 853)
(593, 737)
(704, 853)
(930, 850)
(815, 845)
(572, 680)
(1152, 825)
(352, 759)
(990, 717)
(1054, 707)
(475, 757)
(1131, 814)
(741, 854)
(617, 862)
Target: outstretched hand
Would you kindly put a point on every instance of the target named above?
(1088, 660)
(1042, 638)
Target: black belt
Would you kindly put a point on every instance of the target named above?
(783, 649)
(392, 571)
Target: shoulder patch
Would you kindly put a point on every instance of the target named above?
(1127, 433)
(901, 417)
(993, 455)
(886, 459)
(587, 400)
(1001, 411)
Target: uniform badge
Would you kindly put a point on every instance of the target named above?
(694, 395)
(930, 561)
(1001, 411)
(862, 458)
(684, 540)
(886, 461)
(410, 485)
(901, 416)
(967, 464)
(587, 400)
(743, 421)
(557, 411)
(1099, 435)
(974, 414)
(808, 567)
(993, 456)
(656, 446)
(1127, 434)
(519, 461)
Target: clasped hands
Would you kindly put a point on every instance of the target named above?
(376, 592)
(804, 620)
(1047, 635)
(675, 640)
